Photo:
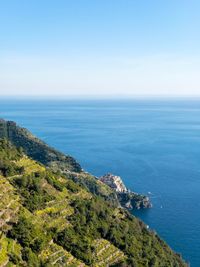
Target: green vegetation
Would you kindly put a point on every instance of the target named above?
(49, 219)
(8, 153)
(31, 190)
(36, 149)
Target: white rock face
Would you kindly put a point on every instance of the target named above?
(114, 182)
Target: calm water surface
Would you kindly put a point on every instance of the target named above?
(154, 145)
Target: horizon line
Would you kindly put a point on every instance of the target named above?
(99, 97)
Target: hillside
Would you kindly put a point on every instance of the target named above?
(58, 162)
(46, 219)
(37, 149)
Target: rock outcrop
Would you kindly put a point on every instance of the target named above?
(115, 182)
(127, 199)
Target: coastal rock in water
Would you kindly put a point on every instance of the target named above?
(127, 199)
(131, 200)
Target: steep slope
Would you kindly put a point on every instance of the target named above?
(49, 220)
(53, 159)
(58, 162)
(37, 149)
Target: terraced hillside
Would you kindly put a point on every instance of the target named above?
(106, 254)
(47, 219)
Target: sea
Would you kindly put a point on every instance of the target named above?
(153, 144)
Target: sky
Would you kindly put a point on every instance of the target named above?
(82, 48)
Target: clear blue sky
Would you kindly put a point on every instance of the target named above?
(100, 47)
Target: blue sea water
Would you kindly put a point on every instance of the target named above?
(154, 145)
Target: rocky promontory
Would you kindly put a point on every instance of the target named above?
(127, 198)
